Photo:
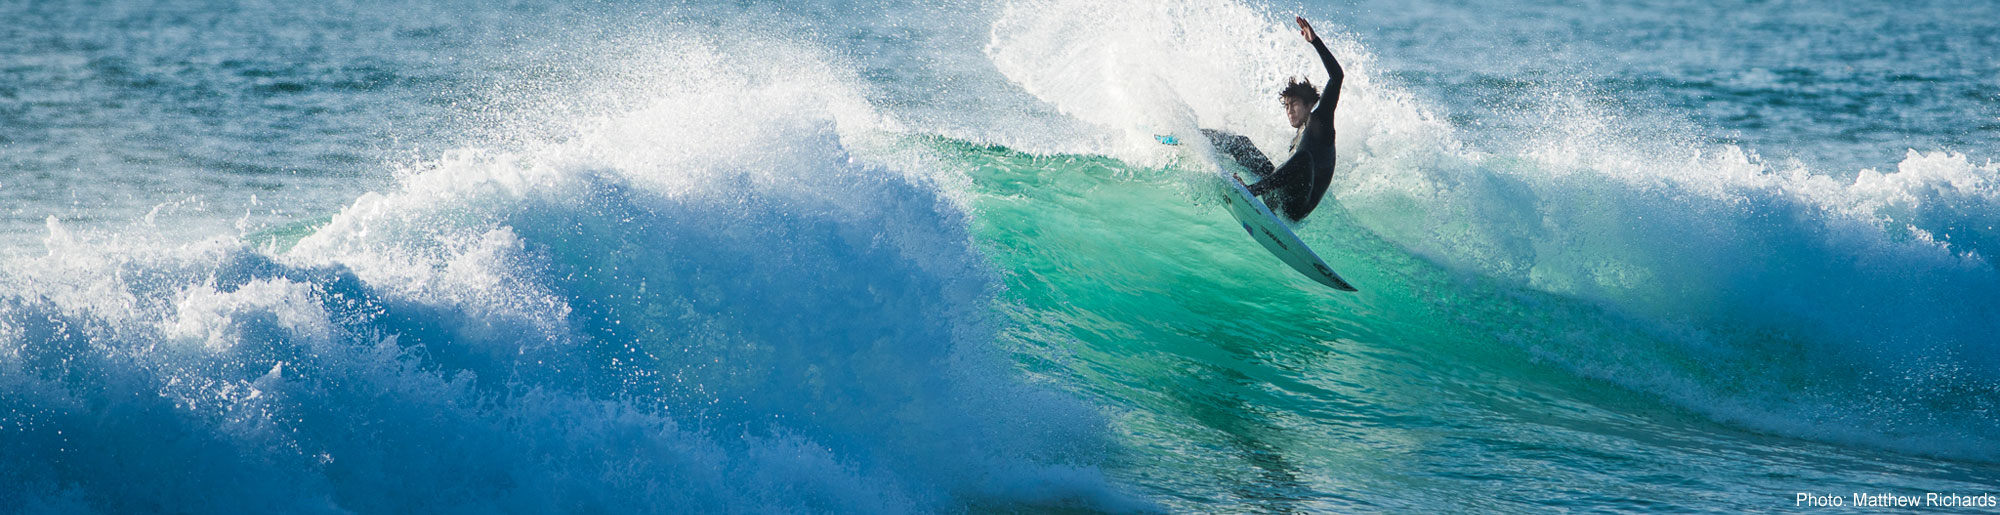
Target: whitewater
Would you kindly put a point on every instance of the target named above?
(927, 256)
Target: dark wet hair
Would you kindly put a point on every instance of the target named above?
(1301, 89)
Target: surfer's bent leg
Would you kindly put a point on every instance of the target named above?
(1239, 148)
(1286, 191)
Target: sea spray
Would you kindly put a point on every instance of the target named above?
(1767, 295)
(750, 320)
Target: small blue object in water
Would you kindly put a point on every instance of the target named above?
(1167, 139)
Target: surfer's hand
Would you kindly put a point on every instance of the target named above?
(1306, 29)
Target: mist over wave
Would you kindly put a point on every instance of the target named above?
(706, 304)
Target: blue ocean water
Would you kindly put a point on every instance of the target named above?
(926, 256)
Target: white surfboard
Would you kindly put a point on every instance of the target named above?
(1277, 237)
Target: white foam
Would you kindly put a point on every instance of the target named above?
(705, 304)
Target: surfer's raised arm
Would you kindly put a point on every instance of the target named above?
(1334, 74)
(1295, 187)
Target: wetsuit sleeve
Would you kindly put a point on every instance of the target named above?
(1330, 98)
(1297, 185)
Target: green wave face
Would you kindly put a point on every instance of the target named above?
(1240, 385)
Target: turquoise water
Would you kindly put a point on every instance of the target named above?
(926, 257)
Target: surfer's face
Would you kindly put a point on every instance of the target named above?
(1296, 111)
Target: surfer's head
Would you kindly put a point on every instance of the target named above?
(1299, 98)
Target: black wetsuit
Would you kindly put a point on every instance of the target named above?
(1294, 188)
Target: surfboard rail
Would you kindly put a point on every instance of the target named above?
(1276, 236)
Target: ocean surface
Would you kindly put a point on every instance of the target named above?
(924, 256)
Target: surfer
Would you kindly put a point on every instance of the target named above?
(1296, 186)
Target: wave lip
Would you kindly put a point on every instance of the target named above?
(624, 321)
